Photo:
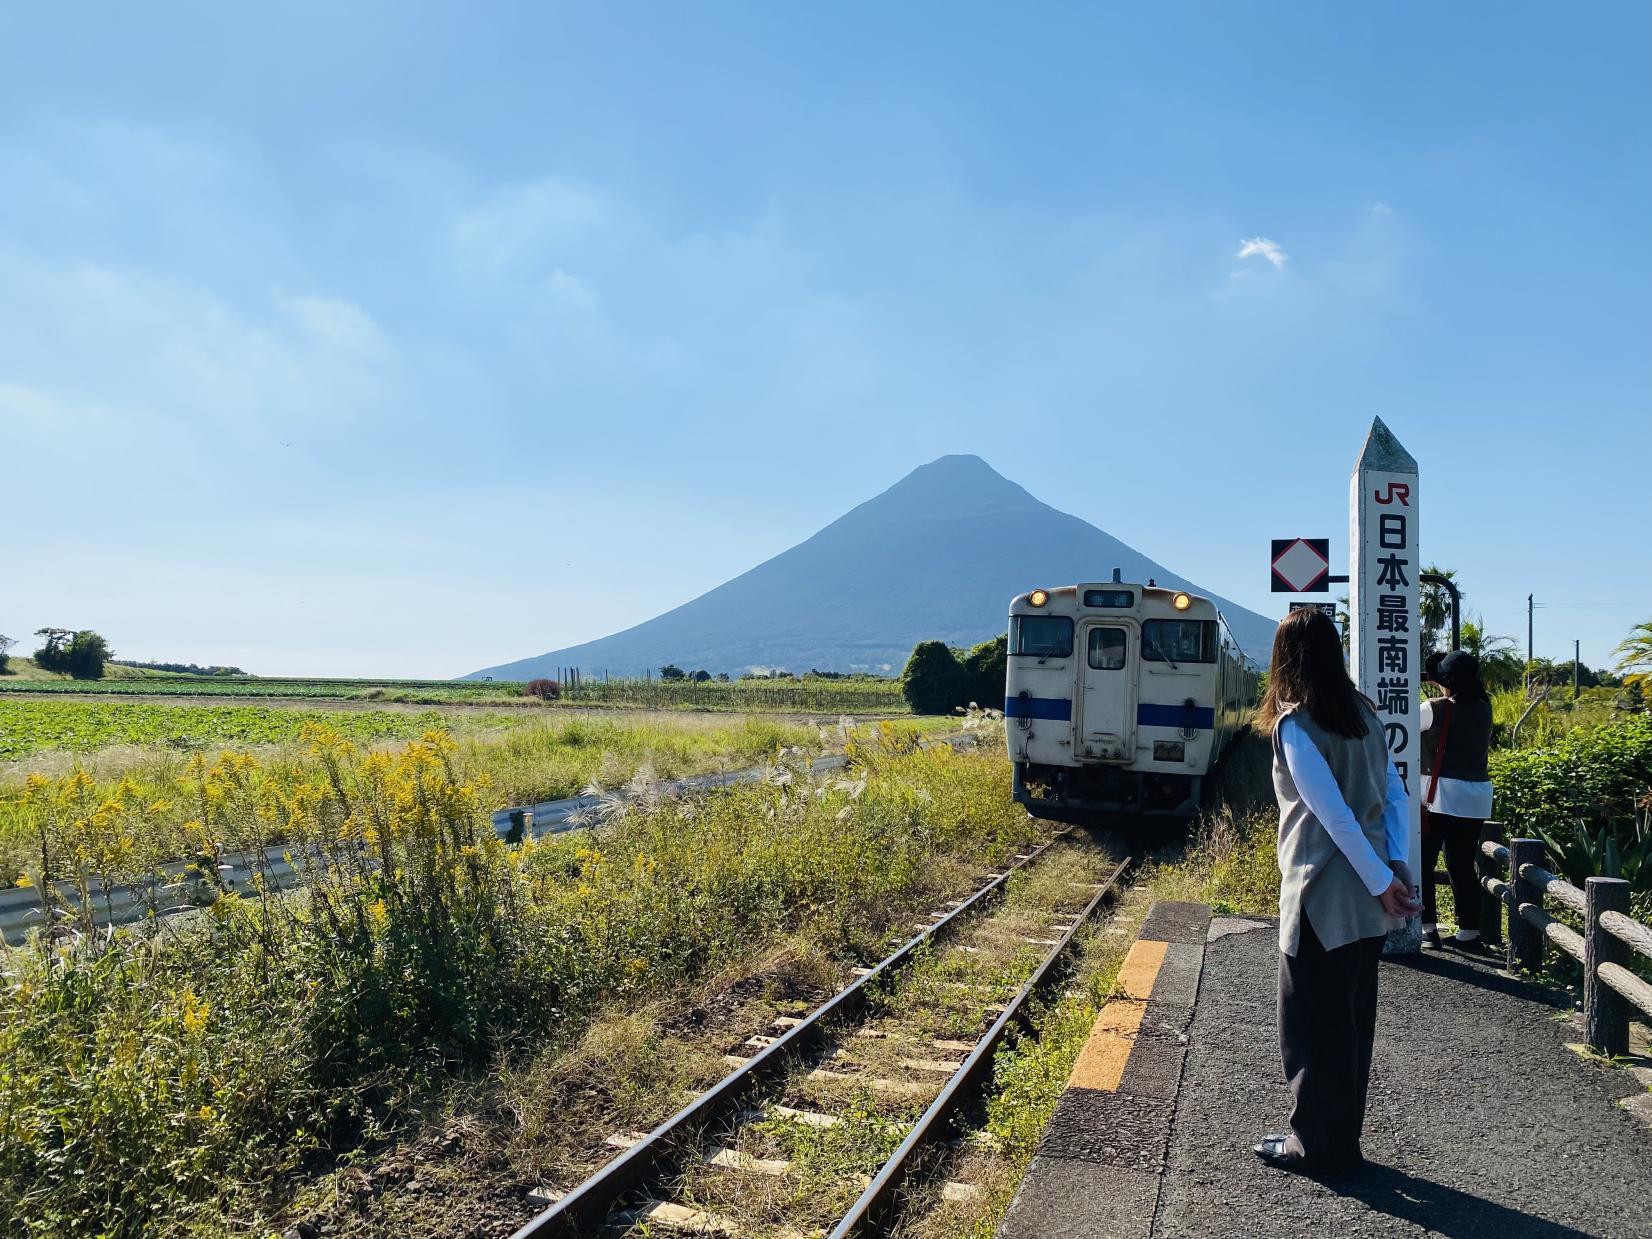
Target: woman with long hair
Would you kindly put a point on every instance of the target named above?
(1456, 741)
(1343, 885)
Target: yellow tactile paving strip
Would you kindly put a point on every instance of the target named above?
(1101, 1062)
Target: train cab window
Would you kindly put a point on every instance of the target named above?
(1041, 636)
(1107, 649)
(1179, 641)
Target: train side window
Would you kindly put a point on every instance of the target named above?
(1041, 636)
(1107, 649)
(1179, 641)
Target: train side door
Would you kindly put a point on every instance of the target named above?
(1107, 710)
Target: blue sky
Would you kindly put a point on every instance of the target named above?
(405, 339)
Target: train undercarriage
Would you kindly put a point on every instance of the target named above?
(1083, 794)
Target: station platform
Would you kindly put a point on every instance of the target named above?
(1481, 1123)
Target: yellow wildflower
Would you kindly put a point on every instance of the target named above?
(195, 1012)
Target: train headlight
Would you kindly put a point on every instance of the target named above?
(1181, 602)
(1038, 597)
(1169, 750)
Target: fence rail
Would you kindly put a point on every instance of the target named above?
(1608, 943)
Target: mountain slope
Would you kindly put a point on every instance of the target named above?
(937, 555)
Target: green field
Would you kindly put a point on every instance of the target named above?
(864, 695)
(27, 726)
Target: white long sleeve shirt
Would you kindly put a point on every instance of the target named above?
(1319, 791)
(1455, 797)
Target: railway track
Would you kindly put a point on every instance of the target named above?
(894, 1059)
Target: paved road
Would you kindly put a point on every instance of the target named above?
(1482, 1123)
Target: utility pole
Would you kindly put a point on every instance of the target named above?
(1528, 640)
(1577, 646)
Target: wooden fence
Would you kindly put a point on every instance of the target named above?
(1610, 989)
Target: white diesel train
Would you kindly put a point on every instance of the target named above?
(1120, 699)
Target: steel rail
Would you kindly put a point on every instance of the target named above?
(657, 1155)
(871, 1213)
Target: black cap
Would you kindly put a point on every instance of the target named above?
(1431, 666)
(1458, 670)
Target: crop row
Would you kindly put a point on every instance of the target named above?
(82, 726)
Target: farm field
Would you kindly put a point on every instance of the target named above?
(215, 1077)
(806, 695)
(28, 725)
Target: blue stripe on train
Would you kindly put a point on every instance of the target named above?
(1038, 707)
(1175, 716)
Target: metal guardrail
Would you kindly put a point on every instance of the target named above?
(1606, 946)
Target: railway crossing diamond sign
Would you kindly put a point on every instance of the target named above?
(1301, 565)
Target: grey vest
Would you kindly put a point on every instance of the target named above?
(1316, 879)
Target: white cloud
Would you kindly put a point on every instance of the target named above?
(524, 225)
(569, 292)
(1261, 247)
(1381, 208)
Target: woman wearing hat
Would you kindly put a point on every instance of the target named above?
(1456, 740)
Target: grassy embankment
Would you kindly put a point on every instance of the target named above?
(187, 1080)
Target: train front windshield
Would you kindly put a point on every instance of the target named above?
(1179, 641)
(1043, 636)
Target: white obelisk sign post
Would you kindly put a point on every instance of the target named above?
(1384, 649)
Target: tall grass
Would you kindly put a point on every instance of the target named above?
(147, 797)
(179, 1077)
(1554, 716)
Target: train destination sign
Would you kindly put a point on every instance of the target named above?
(1301, 565)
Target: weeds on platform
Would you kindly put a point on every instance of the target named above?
(1232, 862)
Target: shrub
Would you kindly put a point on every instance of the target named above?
(934, 682)
(939, 680)
(1593, 775)
(545, 690)
(987, 666)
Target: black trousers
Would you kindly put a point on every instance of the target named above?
(1327, 1021)
(1460, 836)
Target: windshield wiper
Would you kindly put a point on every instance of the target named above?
(1154, 642)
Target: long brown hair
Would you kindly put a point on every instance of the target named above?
(1308, 672)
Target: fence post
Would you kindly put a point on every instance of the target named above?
(1605, 1012)
(1491, 907)
(1525, 940)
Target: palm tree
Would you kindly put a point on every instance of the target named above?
(1434, 608)
(1500, 666)
(1635, 655)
